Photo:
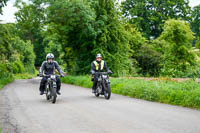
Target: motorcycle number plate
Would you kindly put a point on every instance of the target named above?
(104, 76)
(53, 76)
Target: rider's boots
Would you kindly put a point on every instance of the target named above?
(58, 90)
(41, 89)
(94, 87)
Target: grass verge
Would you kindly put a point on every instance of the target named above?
(186, 94)
(24, 76)
(4, 81)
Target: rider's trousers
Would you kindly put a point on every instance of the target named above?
(44, 80)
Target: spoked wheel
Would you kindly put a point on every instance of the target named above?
(47, 95)
(107, 92)
(53, 99)
(53, 95)
(97, 90)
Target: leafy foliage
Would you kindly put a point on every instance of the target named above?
(178, 37)
(72, 22)
(30, 22)
(195, 24)
(112, 38)
(136, 39)
(150, 15)
(149, 60)
(2, 4)
(16, 55)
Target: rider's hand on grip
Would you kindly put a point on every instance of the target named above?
(110, 72)
(41, 75)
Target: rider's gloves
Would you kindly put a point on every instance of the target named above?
(110, 72)
(62, 75)
(92, 72)
(40, 74)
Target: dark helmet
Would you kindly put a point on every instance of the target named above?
(50, 56)
(98, 56)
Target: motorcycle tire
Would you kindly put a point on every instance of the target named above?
(47, 95)
(107, 92)
(96, 94)
(53, 95)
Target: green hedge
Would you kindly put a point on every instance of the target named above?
(185, 94)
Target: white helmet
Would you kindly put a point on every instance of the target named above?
(50, 56)
(98, 56)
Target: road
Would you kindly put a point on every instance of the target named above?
(23, 110)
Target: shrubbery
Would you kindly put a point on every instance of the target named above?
(16, 56)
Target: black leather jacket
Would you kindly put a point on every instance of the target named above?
(49, 68)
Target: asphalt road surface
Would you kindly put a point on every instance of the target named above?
(77, 110)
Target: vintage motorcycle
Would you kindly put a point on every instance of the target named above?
(50, 87)
(103, 85)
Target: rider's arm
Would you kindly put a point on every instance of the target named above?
(92, 70)
(42, 67)
(58, 68)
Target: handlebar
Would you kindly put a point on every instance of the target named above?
(47, 75)
(103, 73)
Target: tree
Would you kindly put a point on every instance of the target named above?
(136, 40)
(72, 22)
(30, 24)
(2, 4)
(112, 39)
(150, 15)
(6, 49)
(53, 45)
(178, 38)
(149, 60)
(195, 24)
(16, 56)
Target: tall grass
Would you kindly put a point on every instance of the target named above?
(185, 94)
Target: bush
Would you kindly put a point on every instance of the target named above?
(17, 67)
(148, 60)
(178, 57)
(3, 70)
(5, 80)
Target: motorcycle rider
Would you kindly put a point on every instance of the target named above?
(98, 65)
(48, 67)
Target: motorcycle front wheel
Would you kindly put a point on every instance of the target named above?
(107, 92)
(96, 94)
(53, 95)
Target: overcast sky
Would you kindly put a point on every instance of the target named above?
(9, 10)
